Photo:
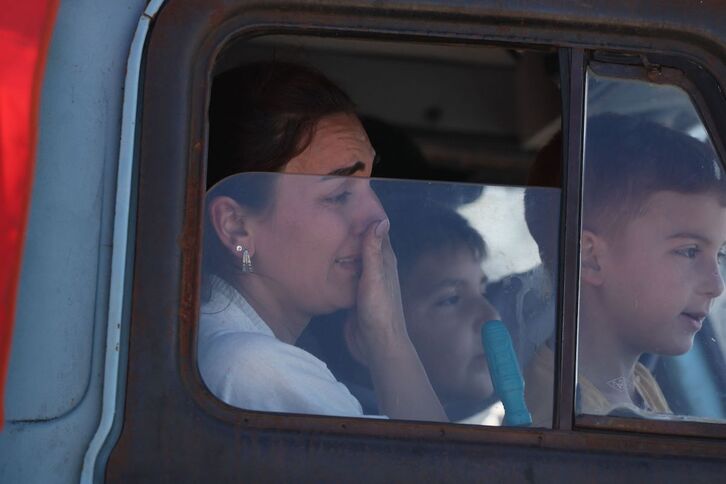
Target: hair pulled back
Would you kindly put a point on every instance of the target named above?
(264, 114)
(261, 115)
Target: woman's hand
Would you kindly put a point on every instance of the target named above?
(401, 383)
(379, 310)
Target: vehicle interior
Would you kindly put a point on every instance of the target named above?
(475, 113)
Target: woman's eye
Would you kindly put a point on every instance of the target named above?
(721, 256)
(339, 199)
(449, 301)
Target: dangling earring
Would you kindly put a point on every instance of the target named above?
(246, 259)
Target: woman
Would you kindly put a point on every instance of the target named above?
(280, 250)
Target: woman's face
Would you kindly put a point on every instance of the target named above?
(307, 248)
(445, 307)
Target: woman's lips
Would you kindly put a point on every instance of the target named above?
(350, 264)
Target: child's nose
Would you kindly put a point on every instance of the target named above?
(718, 284)
(713, 284)
(486, 312)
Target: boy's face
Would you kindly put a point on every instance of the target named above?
(660, 274)
(445, 307)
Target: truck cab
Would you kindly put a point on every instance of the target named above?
(483, 105)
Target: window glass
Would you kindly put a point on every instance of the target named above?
(651, 337)
(488, 116)
(306, 310)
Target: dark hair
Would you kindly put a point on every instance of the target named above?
(421, 227)
(628, 159)
(261, 115)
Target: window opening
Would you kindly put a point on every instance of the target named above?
(654, 228)
(285, 296)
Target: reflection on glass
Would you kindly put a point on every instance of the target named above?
(653, 235)
(301, 294)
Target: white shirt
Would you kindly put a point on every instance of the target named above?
(245, 365)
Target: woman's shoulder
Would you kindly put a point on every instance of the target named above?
(245, 365)
(227, 311)
(258, 372)
(247, 351)
(240, 344)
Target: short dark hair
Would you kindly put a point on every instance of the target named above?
(420, 227)
(628, 159)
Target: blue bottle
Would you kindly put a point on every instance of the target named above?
(505, 373)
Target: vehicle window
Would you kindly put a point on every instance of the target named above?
(466, 253)
(305, 309)
(653, 233)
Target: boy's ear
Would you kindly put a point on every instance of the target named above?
(352, 339)
(231, 223)
(591, 255)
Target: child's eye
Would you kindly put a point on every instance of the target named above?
(721, 256)
(689, 252)
(449, 301)
(339, 199)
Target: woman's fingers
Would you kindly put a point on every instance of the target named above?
(372, 249)
(372, 276)
(389, 257)
(379, 296)
(381, 228)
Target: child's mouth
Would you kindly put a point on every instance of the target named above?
(695, 319)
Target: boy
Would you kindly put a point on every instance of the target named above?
(443, 291)
(653, 232)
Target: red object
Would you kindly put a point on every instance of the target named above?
(25, 31)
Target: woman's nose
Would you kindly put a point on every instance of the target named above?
(368, 209)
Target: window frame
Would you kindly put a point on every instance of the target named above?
(400, 428)
(699, 85)
(186, 38)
